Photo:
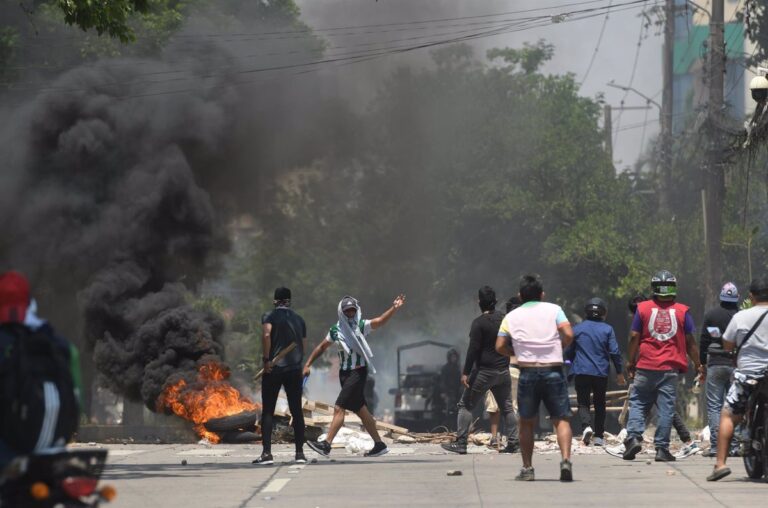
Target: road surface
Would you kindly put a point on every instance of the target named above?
(149, 476)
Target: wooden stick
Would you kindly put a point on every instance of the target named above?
(625, 409)
(279, 356)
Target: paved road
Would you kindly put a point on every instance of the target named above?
(149, 476)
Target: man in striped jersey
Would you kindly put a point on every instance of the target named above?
(354, 362)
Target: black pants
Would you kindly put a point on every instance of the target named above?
(499, 382)
(594, 388)
(270, 389)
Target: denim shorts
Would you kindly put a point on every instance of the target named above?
(547, 385)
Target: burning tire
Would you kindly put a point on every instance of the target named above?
(245, 421)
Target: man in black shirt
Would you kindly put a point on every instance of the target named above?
(485, 369)
(718, 362)
(282, 327)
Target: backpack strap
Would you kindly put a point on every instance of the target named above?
(751, 332)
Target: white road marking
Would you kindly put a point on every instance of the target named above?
(122, 453)
(206, 452)
(275, 485)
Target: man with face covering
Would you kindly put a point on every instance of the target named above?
(355, 356)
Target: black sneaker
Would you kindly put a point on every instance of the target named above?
(566, 471)
(264, 460)
(378, 450)
(455, 447)
(510, 448)
(300, 458)
(663, 455)
(321, 447)
(632, 447)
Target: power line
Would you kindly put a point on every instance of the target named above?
(597, 46)
(632, 75)
(374, 54)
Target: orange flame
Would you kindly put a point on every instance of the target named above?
(211, 396)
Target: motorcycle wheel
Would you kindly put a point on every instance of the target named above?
(754, 461)
(765, 444)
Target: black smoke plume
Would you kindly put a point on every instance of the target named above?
(103, 200)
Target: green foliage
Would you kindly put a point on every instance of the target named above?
(9, 41)
(106, 17)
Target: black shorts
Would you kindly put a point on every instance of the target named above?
(352, 396)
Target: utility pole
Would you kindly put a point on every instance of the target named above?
(714, 183)
(665, 187)
(608, 129)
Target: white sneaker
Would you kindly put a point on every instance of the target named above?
(586, 436)
(616, 451)
(688, 450)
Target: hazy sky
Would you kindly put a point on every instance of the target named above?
(574, 42)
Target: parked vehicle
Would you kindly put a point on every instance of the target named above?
(416, 404)
(61, 478)
(755, 446)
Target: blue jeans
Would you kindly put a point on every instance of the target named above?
(718, 382)
(652, 387)
(545, 384)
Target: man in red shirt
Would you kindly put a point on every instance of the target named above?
(660, 342)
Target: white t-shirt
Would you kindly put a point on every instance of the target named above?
(753, 357)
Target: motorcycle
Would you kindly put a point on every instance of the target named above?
(755, 446)
(60, 478)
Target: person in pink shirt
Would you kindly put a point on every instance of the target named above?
(537, 332)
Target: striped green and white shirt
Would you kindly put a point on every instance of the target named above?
(352, 360)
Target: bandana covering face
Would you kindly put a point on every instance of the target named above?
(352, 339)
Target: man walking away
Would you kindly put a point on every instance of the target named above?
(280, 328)
(536, 332)
(593, 349)
(349, 334)
(662, 335)
(718, 362)
(485, 369)
(747, 334)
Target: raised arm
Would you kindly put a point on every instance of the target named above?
(382, 320)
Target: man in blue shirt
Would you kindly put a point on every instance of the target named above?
(594, 347)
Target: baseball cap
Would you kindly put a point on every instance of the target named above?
(729, 293)
(282, 293)
(348, 303)
(14, 297)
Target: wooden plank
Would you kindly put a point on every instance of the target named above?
(393, 428)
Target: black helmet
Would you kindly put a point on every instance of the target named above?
(663, 283)
(595, 308)
(632, 303)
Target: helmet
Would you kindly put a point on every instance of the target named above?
(595, 308)
(663, 284)
(632, 303)
(452, 352)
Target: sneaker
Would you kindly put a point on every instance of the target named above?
(493, 443)
(663, 455)
(616, 451)
(688, 450)
(378, 450)
(300, 458)
(586, 436)
(455, 447)
(632, 447)
(709, 453)
(598, 441)
(718, 474)
(510, 448)
(566, 471)
(526, 475)
(321, 447)
(264, 460)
